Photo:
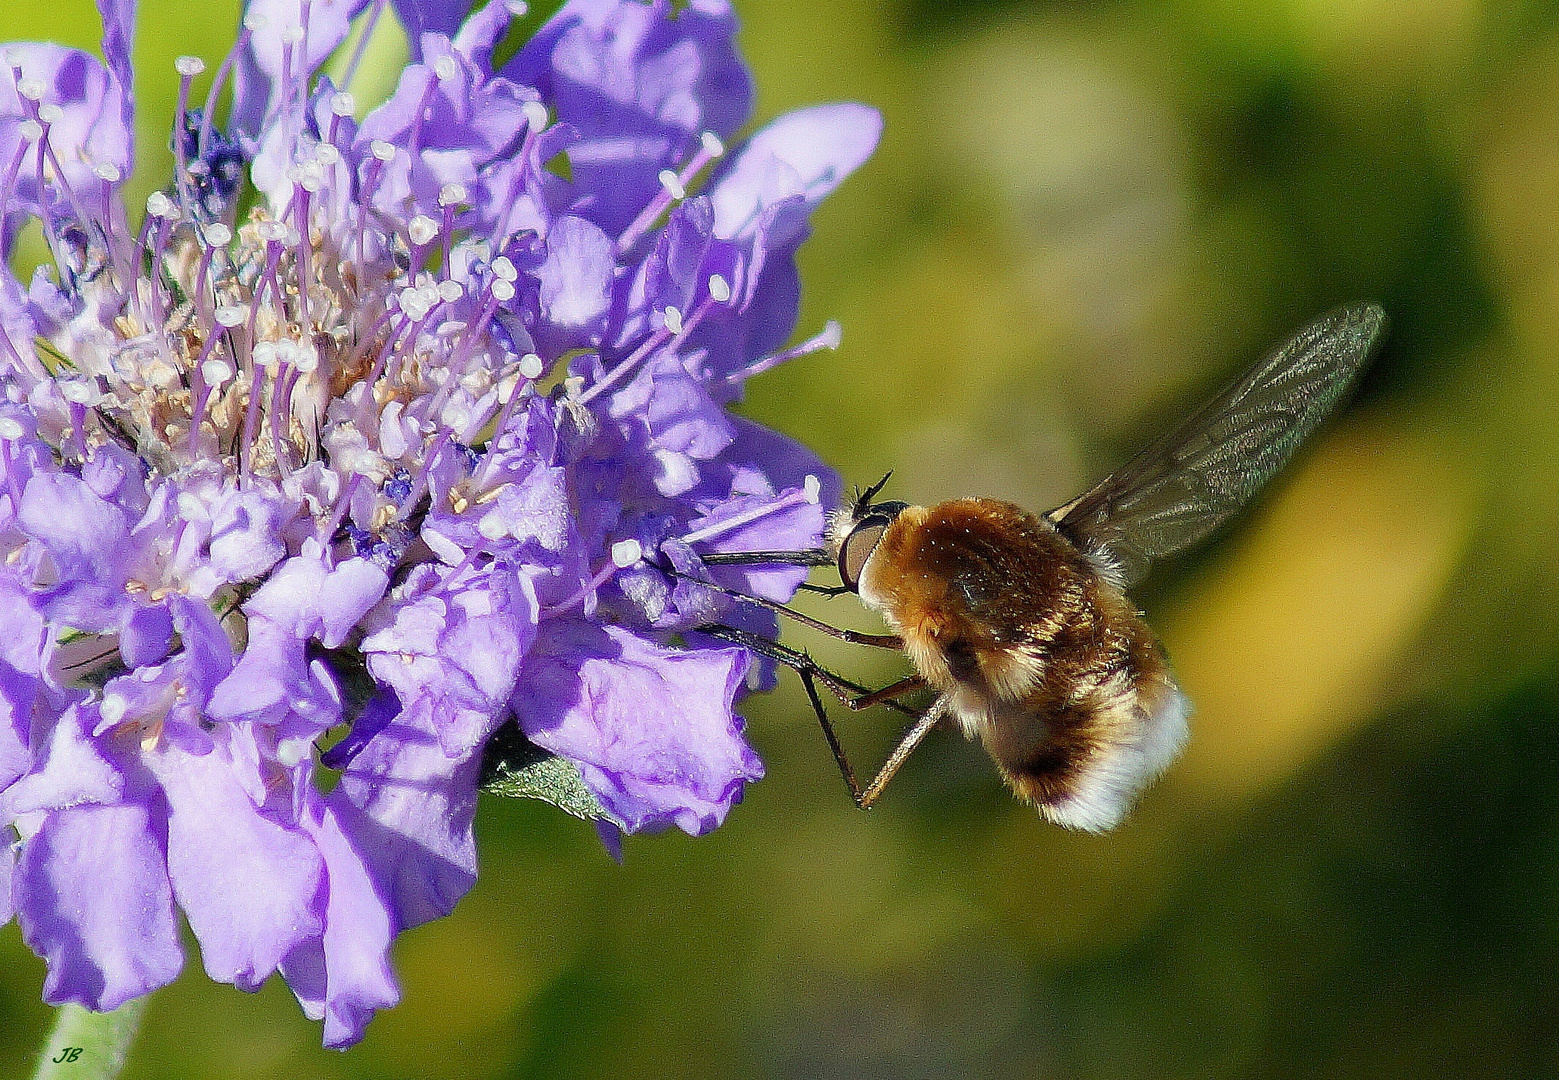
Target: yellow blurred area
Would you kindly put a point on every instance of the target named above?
(1292, 641)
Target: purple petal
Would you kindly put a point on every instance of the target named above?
(145, 635)
(274, 681)
(93, 899)
(261, 65)
(248, 886)
(639, 86)
(91, 131)
(15, 728)
(16, 325)
(808, 152)
(22, 630)
(416, 806)
(344, 976)
(576, 280)
(478, 35)
(436, 16)
(762, 462)
(790, 521)
(310, 599)
(458, 650)
(118, 41)
(85, 535)
(245, 540)
(651, 728)
(71, 771)
(207, 651)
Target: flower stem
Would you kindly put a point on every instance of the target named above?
(86, 1045)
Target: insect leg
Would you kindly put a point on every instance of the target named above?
(853, 695)
(901, 753)
(887, 693)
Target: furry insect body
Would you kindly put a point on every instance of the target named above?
(1032, 649)
(1020, 622)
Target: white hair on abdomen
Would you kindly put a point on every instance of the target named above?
(1106, 789)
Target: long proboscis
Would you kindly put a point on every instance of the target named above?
(807, 557)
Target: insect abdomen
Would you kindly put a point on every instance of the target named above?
(1081, 750)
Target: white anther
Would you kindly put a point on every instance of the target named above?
(712, 144)
(254, 22)
(673, 319)
(503, 269)
(450, 291)
(535, 115)
(327, 155)
(108, 172)
(503, 291)
(307, 175)
(160, 206)
(293, 35)
(189, 66)
(531, 366)
(306, 359)
(812, 488)
(79, 391)
(673, 186)
(216, 371)
(516, 8)
(626, 552)
(30, 130)
(113, 708)
(218, 235)
(382, 150)
(10, 428)
(230, 315)
(343, 104)
(264, 355)
(272, 232)
(451, 194)
(719, 289)
(422, 230)
(493, 526)
(31, 89)
(445, 67)
(50, 113)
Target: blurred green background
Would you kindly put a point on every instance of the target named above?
(1082, 218)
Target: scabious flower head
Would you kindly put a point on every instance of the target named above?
(380, 428)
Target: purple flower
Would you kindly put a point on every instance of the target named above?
(395, 459)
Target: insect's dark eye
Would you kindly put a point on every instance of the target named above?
(858, 547)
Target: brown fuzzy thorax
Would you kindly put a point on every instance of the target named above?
(1035, 651)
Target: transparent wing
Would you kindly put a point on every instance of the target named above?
(1192, 480)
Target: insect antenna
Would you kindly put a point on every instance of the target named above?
(863, 499)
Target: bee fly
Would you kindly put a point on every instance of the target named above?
(1020, 623)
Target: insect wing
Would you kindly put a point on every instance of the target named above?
(1192, 480)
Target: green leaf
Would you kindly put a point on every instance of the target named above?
(516, 768)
